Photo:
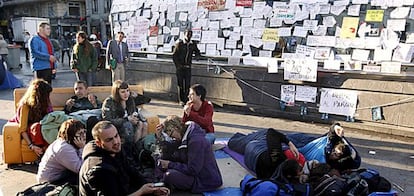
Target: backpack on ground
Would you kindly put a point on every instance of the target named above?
(376, 183)
(47, 188)
(251, 186)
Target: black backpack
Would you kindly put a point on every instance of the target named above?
(47, 188)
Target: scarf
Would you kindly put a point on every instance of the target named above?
(49, 49)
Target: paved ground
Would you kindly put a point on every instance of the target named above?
(394, 157)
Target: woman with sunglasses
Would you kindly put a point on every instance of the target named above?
(63, 158)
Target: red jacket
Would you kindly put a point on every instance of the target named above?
(203, 117)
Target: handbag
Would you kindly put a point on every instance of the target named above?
(112, 63)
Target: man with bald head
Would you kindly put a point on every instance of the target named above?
(104, 172)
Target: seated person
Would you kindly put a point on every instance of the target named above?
(332, 148)
(120, 109)
(33, 106)
(63, 158)
(200, 111)
(82, 100)
(265, 150)
(192, 166)
(105, 171)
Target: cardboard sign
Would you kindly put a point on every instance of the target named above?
(244, 3)
(306, 94)
(212, 5)
(270, 35)
(287, 94)
(374, 15)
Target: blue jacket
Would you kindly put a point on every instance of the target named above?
(195, 157)
(39, 54)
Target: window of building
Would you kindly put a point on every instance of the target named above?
(108, 4)
(95, 6)
(74, 8)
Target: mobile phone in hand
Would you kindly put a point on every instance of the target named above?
(159, 184)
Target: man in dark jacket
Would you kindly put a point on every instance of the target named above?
(104, 171)
(182, 57)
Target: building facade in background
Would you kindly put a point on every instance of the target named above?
(66, 16)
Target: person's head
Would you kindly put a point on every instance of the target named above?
(291, 170)
(1, 37)
(37, 97)
(120, 36)
(93, 37)
(106, 137)
(44, 29)
(174, 127)
(81, 88)
(27, 33)
(338, 151)
(81, 37)
(188, 33)
(71, 130)
(197, 93)
(120, 91)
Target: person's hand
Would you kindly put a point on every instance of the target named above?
(339, 130)
(92, 100)
(158, 130)
(52, 58)
(133, 119)
(164, 163)
(53, 71)
(37, 150)
(294, 150)
(150, 189)
(79, 142)
(75, 70)
(187, 107)
(70, 103)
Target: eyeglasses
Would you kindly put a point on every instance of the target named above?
(81, 133)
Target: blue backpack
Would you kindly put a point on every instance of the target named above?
(251, 186)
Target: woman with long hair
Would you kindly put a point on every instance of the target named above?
(119, 108)
(84, 60)
(33, 106)
(63, 158)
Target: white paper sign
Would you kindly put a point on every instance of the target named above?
(336, 101)
(332, 64)
(391, 67)
(300, 69)
(306, 93)
(287, 94)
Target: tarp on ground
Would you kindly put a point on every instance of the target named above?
(9, 80)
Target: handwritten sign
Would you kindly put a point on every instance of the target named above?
(300, 69)
(374, 15)
(336, 101)
(287, 94)
(212, 5)
(349, 27)
(306, 94)
(270, 35)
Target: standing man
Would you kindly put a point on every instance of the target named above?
(182, 57)
(104, 172)
(118, 52)
(41, 50)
